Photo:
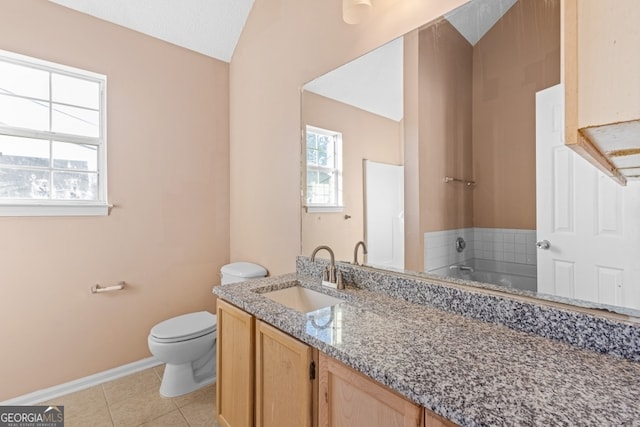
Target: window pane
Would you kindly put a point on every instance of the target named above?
(24, 113)
(43, 102)
(75, 156)
(325, 143)
(312, 156)
(312, 149)
(75, 186)
(320, 188)
(312, 178)
(324, 167)
(311, 140)
(24, 81)
(75, 121)
(325, 154)
(23, 151)
(75, 91)
(24, 184)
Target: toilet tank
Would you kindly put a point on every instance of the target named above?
(241, 271)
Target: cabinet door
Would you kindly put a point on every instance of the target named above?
(348, 398)
(431, 419)
(284, 387)
(235, 362)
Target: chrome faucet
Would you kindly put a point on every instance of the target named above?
(364, 253)
(329, 274)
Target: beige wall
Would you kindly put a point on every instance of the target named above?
(413, 236)
(445, 76)
(364, 136)
(519, 56)
(476, 120)
(437, 125)
(168, 235)
(286, 43)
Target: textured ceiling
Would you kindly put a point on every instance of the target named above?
(210, 27)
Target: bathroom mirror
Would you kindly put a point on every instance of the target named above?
(437, 132)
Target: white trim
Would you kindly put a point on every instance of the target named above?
(31, 209)
(82, 383)
(30, 61)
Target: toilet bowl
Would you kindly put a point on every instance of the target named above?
(187, 343)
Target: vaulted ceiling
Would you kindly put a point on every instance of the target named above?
(210, 27)
(213, 27)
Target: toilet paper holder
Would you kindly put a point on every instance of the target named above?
(96, 289)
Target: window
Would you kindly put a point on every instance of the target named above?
(52, 139)
(324, 170)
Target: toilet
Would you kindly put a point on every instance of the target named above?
(187, 343)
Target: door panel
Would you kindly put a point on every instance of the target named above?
(235, 361)
(589, 220)
(384, 214)
(284, 389)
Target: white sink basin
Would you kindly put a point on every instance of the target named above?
(302, 299)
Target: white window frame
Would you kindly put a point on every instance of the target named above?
(337, 169)
(49, 207)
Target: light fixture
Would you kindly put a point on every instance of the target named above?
(355, 11)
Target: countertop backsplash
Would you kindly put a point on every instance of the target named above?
(581, 329)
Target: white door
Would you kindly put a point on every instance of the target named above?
(384, 214)
(590, 222)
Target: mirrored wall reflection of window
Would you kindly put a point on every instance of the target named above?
(324, 168)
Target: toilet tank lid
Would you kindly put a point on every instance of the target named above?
(185, 326)
(244, 269)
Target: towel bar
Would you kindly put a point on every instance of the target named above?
(96, 289)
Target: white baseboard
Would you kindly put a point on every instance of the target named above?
(82, 383)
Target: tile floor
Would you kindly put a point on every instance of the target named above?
(135, 400)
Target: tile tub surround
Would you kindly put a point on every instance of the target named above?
(604, 335)
(472, 372)
(493, 244)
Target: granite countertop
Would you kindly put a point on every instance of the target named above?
(472, 372)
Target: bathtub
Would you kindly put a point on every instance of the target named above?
(507, 274)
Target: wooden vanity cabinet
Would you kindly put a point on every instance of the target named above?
(261, 367)
(349, 398)
(291, 384)
(285, 373)
(235, 366)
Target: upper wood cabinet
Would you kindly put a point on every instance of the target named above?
(601, 66)
(235, 366)
(349, 398)
(285, 373)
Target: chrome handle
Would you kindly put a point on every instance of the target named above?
(543, 244)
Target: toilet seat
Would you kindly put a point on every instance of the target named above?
(185, 327)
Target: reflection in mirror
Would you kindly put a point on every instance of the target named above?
(453, 104)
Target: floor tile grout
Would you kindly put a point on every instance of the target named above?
(104, 395)
(198, 406)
